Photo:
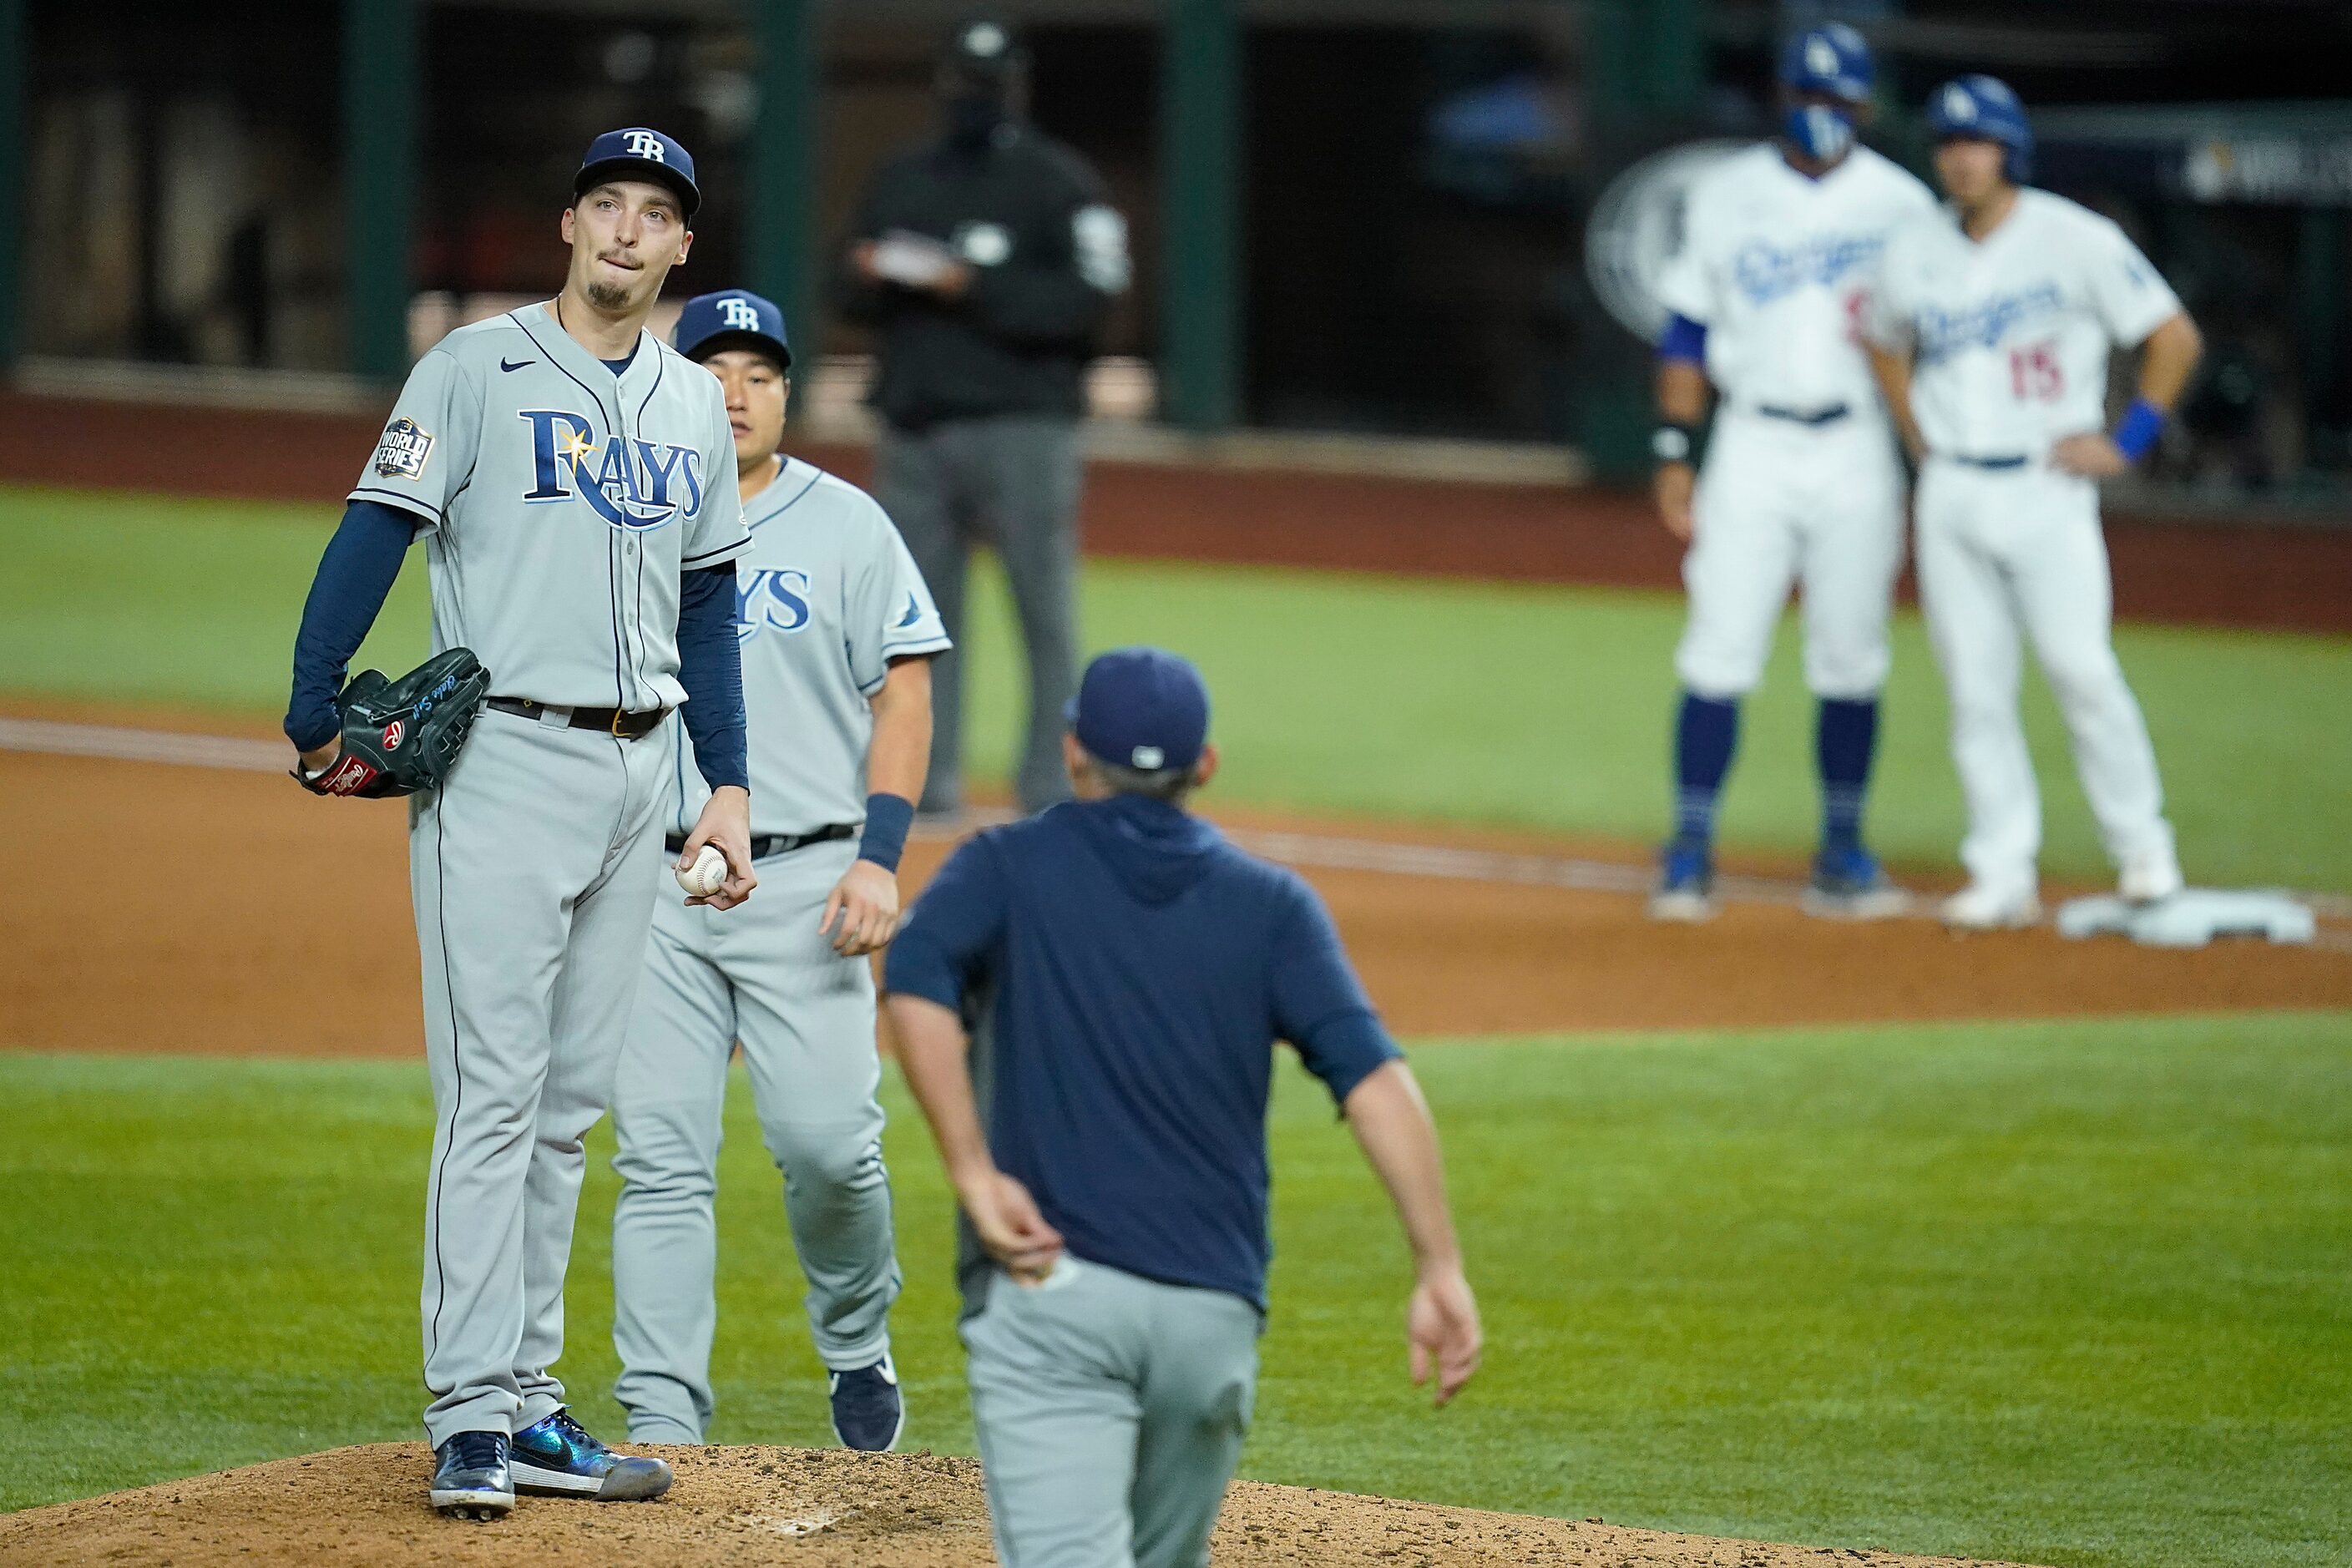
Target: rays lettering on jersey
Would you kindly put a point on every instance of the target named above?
(1765, 272)
(632, 485)
(1982, 323)
(771, 599)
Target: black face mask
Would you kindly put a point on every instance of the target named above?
(974, 117)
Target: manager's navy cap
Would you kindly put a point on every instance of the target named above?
(732, 319)
(1141, 707)
(639, 153)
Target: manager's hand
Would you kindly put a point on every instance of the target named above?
(1010, 1225)
(1441, 1324)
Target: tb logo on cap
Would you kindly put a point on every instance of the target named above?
(645, 144)
(739, 315)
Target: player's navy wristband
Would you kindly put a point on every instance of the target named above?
(2136, 431)
(1684, 340)
(888, 817)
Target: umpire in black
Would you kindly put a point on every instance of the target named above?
(983, 261)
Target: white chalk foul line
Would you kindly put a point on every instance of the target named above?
(1325, 851)
(145, 745)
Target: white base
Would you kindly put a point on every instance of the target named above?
(2191, 918)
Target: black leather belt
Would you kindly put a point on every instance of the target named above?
(765, 845)
(2014, 460)
(618, 721)
(1806, 416)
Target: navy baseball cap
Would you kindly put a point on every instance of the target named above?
(639, 153)
(732, 319)
(1141, 707)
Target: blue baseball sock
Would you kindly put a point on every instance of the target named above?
(1846, 740)
(1706, 731)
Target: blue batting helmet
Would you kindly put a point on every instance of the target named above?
(1831, 59)
(1984, 107)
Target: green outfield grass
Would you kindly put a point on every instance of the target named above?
(2066, 1293)
(1538, 706)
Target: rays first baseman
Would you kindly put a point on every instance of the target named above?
(568, 475)
(1802, 483)
(1993, 320)
(837, 632)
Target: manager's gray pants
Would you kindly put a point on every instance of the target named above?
(533, 868)
(1110, 1411)
(1011, 480)
(762, 974)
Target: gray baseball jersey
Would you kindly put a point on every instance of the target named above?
(826, 597)
(563, 503)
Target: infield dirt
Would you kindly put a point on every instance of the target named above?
(232, 900)
(736, 1507)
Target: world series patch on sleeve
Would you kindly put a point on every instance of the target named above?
(402, 736)
(402, 453)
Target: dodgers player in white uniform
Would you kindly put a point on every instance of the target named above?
(567, 472)
(1992, 323)
(838, 631)
(1802, 483)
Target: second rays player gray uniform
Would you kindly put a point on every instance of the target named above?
(560, 502)
(828, 597)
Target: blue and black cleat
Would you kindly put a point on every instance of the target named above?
(868, 1411)
(557, 1457)
(470, 1478)
(1686, 889)
(1849, 884)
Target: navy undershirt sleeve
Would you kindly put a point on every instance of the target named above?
(361, 564)
(710, 667)
(1684, 339)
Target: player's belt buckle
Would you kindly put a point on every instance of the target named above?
(621, 717)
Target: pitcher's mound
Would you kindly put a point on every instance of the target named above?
(787, 1506)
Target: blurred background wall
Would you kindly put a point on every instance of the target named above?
(1366, 216)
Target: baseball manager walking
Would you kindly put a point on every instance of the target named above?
(1124, 974)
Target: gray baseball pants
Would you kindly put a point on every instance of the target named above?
(762, 975)
(533, 868)
(1011, 480)
(1110, 1411)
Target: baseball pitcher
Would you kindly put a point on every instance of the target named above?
(837, 633)
(1993, 322)
(1801, 482)
(568, 475)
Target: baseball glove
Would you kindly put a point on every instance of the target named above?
(402, 736)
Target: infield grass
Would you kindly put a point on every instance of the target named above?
(1543, 708)
(2064, 1293)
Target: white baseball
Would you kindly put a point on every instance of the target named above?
(704, 876)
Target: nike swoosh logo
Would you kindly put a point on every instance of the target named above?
(517, 365)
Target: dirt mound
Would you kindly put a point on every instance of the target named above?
(787, 1506)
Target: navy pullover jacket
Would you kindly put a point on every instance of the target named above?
(1125, 973)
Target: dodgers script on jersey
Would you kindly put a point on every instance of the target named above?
(825, 599)
(2011, 334)
(561, 502)
(1776, 267)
